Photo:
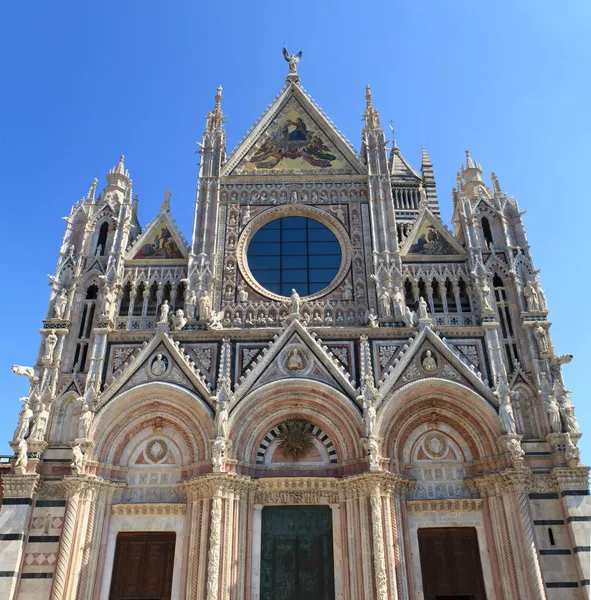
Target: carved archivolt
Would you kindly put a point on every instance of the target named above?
(293, 210)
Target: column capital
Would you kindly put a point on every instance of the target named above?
(571, 478)
(383, 483)
(19, 486)
(206, 486)
(517, 479)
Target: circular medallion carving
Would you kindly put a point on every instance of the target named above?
(295, 438)
(295, 360)
(156, 450)
(435, 445)
(159, 365)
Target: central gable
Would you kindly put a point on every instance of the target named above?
(293, 137)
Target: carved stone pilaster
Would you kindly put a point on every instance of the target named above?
(213, 557)
(378, 544)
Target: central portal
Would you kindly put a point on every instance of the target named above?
(296, 553)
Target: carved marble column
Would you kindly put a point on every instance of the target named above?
(73, 488)
(381, 578)
(15, 516)
(215, 545)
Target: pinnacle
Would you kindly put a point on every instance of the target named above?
(121, 166)
(469, 161)
(425, 158)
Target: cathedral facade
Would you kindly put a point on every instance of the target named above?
(326, 394)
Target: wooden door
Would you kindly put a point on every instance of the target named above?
(143, 566)
(296, 553)
(450, 564)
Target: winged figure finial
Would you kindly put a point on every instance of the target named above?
(293, 60)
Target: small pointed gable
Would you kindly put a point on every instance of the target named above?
(428, 238)
(161, 242)
(295, 353)
(174, 366)
(293, 136)
(427, 355)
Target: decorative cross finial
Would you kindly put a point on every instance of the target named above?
(165, 206)
(293, 60)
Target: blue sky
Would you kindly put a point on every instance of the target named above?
(84, 83)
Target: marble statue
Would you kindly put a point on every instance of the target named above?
(295, 303)
(22, 460)
(242, 294)
(386, 303)
(215, 320)
(295, 361)
(373, 318)
(410, 317)
(567, 410)
(553, 414)
(204, 306)
(423, 313)
(77, 459)
(506, 414)
(369, 419)
(164, 310)
(347, 290)
(532, 298)
(24, 421)
(571, 452)
(50, 344)
(84, 421)
(221, 419)
(179, 320)
(398, 301)
(218, 454)
(514, 449)
(108, 302)
(40, 423)
(487, 304)
(60, 303)
(542, 339)
(429, 363)
(373, 451)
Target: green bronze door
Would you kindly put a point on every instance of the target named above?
(296, 553)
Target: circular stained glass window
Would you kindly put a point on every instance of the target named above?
(294, 253)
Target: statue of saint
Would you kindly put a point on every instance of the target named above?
(429, 363)
(385, 303)
(398, 300)
(295, 361)
(242, 294)
(542, 339)
(571, 424)
(20, 464)
(486, 298)
(347, 290)
(40, 424)
(159, 365)
(59, 304)
(532, 299)
(295, 303)
(164, 310)
(85, 421)
(423, 313)
(24, 421)
(369, 419)
(50, 344)
(204, 306)
(221, 419)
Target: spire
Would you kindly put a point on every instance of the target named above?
(293, 60)
(496, 185)
(91, 192)
(469, 162)
(371, 116)
(121, 166)
(215, 119)
(429, 182)
(165, 206)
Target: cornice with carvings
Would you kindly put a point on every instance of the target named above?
(365, 484)
(206, 486)
(451, 505)
(148, 510)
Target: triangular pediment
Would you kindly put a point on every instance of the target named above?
(401, 170)
(293, 137)
(295, 353)
(429, 356)
(161, 242)
(429, 238)
(161, 360)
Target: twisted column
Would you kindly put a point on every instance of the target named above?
(213, 562)
(87, 545)
(65, 548)
(378, 544)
